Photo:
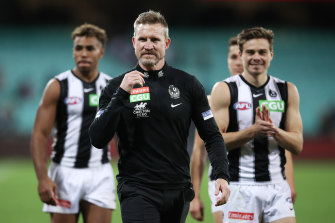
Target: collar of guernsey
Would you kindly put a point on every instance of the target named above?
(153, 73)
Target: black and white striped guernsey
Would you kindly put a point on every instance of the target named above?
(76, 110)
(261, 159)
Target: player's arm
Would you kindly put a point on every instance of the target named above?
(220, 102)
(44, 121)
(291, 138)
(289, 172)
(198, 161)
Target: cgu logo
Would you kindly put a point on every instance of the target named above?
(72, 100)
(240, 105)
(94, 100)
(140, 97)
(275, 106)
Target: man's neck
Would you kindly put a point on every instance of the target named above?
(87, 77)
(255, 80)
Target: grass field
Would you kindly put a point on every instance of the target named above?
(19, 202)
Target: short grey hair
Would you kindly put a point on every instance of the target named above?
(151, 17)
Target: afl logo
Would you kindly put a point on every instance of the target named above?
(240, 105)
(72, 100)
(174, 92)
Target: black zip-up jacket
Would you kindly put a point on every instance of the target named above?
(152, 126)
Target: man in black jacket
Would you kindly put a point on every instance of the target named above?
(150, 108)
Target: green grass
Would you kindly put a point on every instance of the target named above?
(315, 184)
(19, 201)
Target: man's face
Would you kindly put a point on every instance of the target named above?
(234, 60)
(256, 56)
(87, 51)
(150, 45)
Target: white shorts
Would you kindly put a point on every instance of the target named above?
(252, 203)
(211, 193)
(94, 185)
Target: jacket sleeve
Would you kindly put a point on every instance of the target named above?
(103, 127)
(209, 132)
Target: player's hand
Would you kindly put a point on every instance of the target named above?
(197, 209)
(131, 79)
(266, 117)
(263, 125)
(47, 190)
(221, 185)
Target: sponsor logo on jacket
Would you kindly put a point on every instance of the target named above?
(141, 111)
(139, 94)
(207, 115)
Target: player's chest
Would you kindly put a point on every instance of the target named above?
(81, 99)
(249, 99)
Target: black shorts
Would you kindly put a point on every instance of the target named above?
(143, 204)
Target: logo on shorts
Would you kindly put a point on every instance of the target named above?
(174, 92)
(63, 203)
(139, 94)
(240, 215)
(141, 111)
(275, 106)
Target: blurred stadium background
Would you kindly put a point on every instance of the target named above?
(35, 45)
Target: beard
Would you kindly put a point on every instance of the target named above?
(148, 61)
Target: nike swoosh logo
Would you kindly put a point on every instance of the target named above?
(88, 90)
(172, 105)
(257, 95)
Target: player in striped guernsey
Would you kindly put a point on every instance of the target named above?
(69, 103)
(199, 154)
(259, 116)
